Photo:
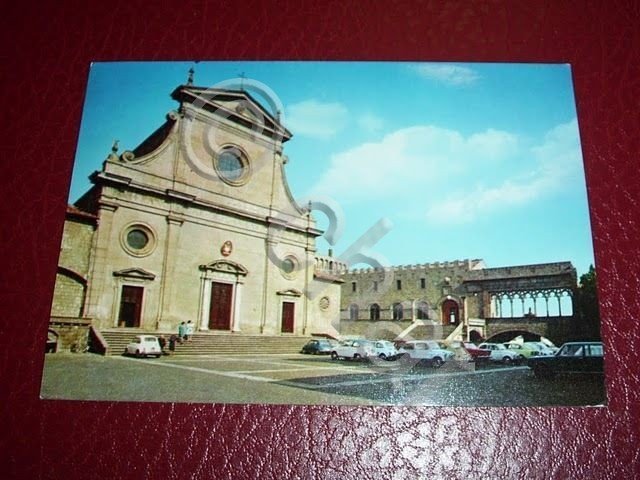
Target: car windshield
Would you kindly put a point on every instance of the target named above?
(571, 350)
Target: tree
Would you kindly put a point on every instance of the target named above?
(588, 309)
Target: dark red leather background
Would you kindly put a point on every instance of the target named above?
(47, 47)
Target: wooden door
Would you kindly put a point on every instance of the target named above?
(288, 314)
(130, 306)
(450, 313)
(220, 309)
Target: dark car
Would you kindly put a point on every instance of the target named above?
(573, 357)
(319, 346)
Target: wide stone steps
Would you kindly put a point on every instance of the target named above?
(211, 344)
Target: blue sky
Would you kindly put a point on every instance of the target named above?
(465, 160)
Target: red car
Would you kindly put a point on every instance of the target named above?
(477, 353)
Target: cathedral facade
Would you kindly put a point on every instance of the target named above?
(198, 224)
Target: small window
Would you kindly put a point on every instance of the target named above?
(423, 283)
(375, 286)
(399, 284)
(353, 286)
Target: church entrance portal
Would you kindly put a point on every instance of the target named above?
(220, 309)
(130, 306)
(288, 313)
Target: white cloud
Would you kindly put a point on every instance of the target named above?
(370, 122)
(412, 158)
(447, 73)
(553, 166)
(316, 119)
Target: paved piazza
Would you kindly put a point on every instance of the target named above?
(301, 379)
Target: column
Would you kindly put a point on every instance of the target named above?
(237, 299)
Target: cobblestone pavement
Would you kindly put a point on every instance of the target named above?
(300, 379)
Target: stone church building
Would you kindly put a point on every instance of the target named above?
(198, 224)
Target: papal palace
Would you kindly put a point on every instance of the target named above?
(197, 223)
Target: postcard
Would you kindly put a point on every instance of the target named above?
(327, 233)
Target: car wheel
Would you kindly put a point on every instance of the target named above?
(506, 360)
(382, 356)
(437, 362)
(356, 356)
(334, 356)
(138, 354)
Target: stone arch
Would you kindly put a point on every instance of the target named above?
(374, 312)
(421, 310)
(450, 308)
(509, 333)
(69, 294)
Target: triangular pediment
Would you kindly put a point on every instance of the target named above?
(225, 266)
(236, 106)
(290, 292)
(137, 273)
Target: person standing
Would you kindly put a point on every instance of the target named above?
(172, 343)
(182, 331)
(163, 343)
(189, 331)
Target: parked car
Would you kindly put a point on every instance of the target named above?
(542, 348)
(524, 350)
(500, 353)
(353, 349)
(426, 351)
(477, 354)
(144, 346)
(385, 350)
(573, 357)
(318, 346)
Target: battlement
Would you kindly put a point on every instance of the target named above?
(330, 265)
(466, 264)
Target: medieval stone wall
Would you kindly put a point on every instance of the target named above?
(409, 285)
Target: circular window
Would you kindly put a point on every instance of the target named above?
(325, 303)
(288, 266)
(232, 166)
(138, 240)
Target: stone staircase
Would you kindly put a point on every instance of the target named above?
(210, 343)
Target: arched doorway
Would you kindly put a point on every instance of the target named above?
(422, 311)
(354, 312)
(450, 312)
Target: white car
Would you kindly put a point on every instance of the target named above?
(353, 349)
(143, 346)
(500, 353)
(385, 349)
(427, 351)
(542, 349)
